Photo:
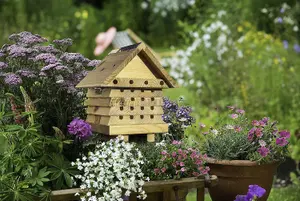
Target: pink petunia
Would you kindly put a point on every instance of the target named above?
(174, 154)
(240, 111)
(238, 129)
(181, 164)
(258, 132)
(263, 151)
(255, 123)
(163, 170)
(182, 169)
(285, 134)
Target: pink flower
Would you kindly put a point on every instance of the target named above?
(181, 164)
(255, 123)
(175, 142)
(202, 125)
(251, 134)
(205, 133)
(234, 116)
(182, 169)
(240, 111)
(262, 123)
(263, 151)
(164, 153)
(174, 154)
(163, 170)
(180, 151)
(285, 134)
(238, 129)
(258, 132)
(156, 170)
(281, 141)
(195, 174)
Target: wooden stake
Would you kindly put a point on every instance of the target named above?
(150, 137)
(200, 194)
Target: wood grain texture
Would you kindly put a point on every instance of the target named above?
(124, 110)
(116, 93)
(150, 137)
(200, 194)
(124, 120)
(137, 83)
(114, 63)
(130, 129)
(116, 102)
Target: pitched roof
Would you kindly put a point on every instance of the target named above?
(114, 63)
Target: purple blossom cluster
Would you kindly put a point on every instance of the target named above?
(12, 79)
(26, 73)
(63, 42)
(264, 132)
(3, 65)
(80, 129)
(94, 63)
(27, 38)
(178, 117)
(254, 192)
(47, 58)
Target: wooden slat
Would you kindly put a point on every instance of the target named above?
(115, 93)
(200, 194)
(137, 83)
(126, 110)
(130, 129)
(131, 101)
(125, 120)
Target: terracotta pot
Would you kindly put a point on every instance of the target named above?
(235, 176)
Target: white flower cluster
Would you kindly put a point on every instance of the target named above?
(214, 37)
(165, 6)
(113, 168)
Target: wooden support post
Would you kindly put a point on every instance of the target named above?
(200, 194)
(150, 137)
(126, 138)
(166, 196)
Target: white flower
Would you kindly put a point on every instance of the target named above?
(144, 5)
(264, 10)
(214, 131)
(262, 143)
(229, 127)
(295, 28)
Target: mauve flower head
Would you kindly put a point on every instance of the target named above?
(12, 79)
(234, 116)
(27, 38)
(240, 111)
(16, 51)
(26, 73)
(285, 44)
(3, 65)
(48, 58)
(66, 42)
(61, 67)
(255, 123)
(265, 120)
(258, 132)
(281, 141)
(285, 134)
(231, 107)
(72, 57)
(297, 48)
(238, 128)
(94, 63)
(80, 128)
(263, 151)
(49, 67)
(47, 49)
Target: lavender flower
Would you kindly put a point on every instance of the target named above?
(297, 48)
(50, 66)
(26, 73)
(3, 65)
(170, 105)
(94, 63)
(80, 128)
(240, 111)
(47, 58)
(27, 38)
(279, 20)
(285, 44)
(72, 57)
(282, 10)
(16, 51)
(66, 42)
(12, 79)
(285, 134)
(47, 49)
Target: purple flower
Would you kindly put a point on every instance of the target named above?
(230, 107)
(256, 190)
(282, 10)
(255, 123)
(297, 48)
(265, 120)
(48, 67)
(94, 63)
(251, 134)
(166, 118)
(240, 198)
(170, 105)
(61, 67)
(3, 65)
(12, 79)
(281, 141)
(47, 49)
(72, 57)
(202, 125)
(27, 38)
(47, 58)
(26, 73)
(66, 42)
(285, 134)
(16, 51)
(234, 116)
(285, 44)
(279, 20)
(263, 151)
(80, 128)
(240, 111)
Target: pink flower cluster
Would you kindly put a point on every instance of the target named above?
(181, 161)
(262, 127)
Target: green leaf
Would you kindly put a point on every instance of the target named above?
(3, 144)
(68, 180)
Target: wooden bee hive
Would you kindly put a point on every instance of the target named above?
(125, 93)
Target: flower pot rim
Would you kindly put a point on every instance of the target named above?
(237, 162)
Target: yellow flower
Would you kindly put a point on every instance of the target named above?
(240, 29)
(283, 59)
(247, 24)
(85, 14)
